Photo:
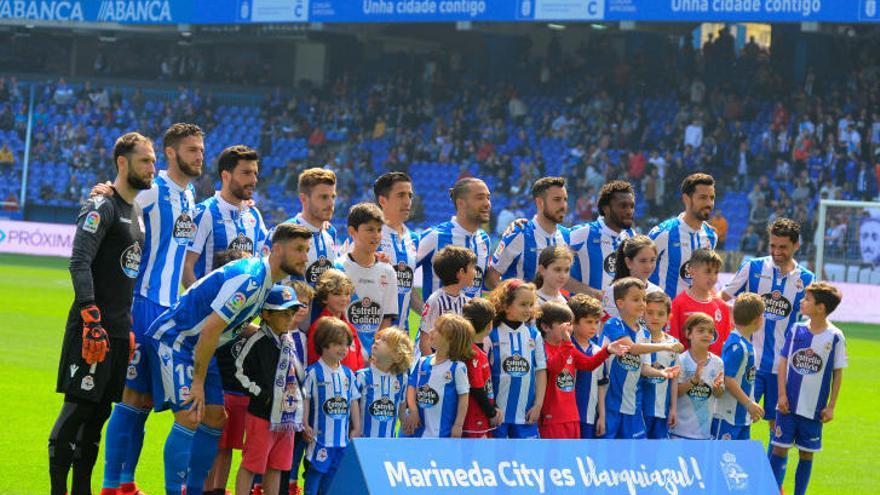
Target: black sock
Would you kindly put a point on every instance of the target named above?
(88, 443)
(63, 442)
(58, 479)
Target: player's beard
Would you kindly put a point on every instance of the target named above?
(239, 191)
(703, 217)
(557, 219)
(187, 168)
(291, 269)
(138, 183)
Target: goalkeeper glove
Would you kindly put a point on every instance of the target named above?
(95, 342)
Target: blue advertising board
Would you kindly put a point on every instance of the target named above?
(389, 11)
(632, 467)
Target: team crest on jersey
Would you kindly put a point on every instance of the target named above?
(132, 373)
(685, 272)
(91, 222)
(404, 277)
(335, 407)
(610, 263)
(427, 397)
(750, 374)
(777, 307)
(718, 314)
(516, 366)
(130, 260)
(242, 242)
(248, 220)
(316, 269)
(383, 281)
(236, 302)
(806, 362)
(565, 381)
(629, 362)
(184, 228)
(365, 314)
(382, 409)
(87, 383)
(447, 377)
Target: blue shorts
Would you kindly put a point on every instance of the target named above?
(510, 430)
(629, 426)
(798, 431)
(766, 386)
(588, 430)
(656, 428)
(143, 313)
(171, 373)
(324, 459)
(722, 430)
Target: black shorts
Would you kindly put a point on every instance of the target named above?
(100, 382)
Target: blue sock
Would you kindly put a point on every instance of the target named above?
(118, 441)
(133, 454)
(777, 464)
(802, 476)
(178, 447)
(204, 449)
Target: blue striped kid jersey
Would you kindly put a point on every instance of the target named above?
(381, 396)
(694, 409)
(439, 303)
(739, 363)
(624, 394)
(235, 291)
(322, 250)
(446, 234)
(517, 254)
(328, 394)
(515, 356)
(437, 388)
(782, 294)
(811, 360)
(169, 225)
(586, 385)
(676, 240)
(656, 392)
(221, 225)
(595, 252)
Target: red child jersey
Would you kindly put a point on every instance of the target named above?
(563, 361)
(479, 376)
(684, 305)
(354, 360)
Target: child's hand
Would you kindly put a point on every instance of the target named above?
(600, 426)
(308, 433)
(677, 348)
(354, 433)
(782, 404)
(498, 418)
(827, 414)
(672, 420)
(618, 347)
(755, 411)
(456, 431)
(533, 414)
(672, 372)
(698, 373)
(718, 382)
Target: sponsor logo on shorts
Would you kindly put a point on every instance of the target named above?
(322, 455)
(183, 393)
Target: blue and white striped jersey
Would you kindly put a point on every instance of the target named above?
(451, 233)
(811, 360)
(656, 392)
(675, 242)
(739, 363)
(586, 385)
(517, 254)
(782, 294)
(221, 225)
(235, 291)
(515, 356)
(624, 394)
(595, 252)
(381, 396)
(401, 250)
(694, 409)
(169, 211)
(322, 249)
(437, 388)
(328, 393)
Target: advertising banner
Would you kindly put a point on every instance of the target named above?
(43, 239)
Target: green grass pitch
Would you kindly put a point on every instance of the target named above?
(37, 294)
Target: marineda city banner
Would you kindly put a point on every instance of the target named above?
(626, 467)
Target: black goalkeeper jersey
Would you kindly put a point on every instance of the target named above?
(105, 261)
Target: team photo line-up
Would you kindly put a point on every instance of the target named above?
(593, 331)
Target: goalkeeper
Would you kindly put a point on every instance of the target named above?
(98, 340)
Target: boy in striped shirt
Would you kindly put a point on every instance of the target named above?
(736, 409)
(810, 373)
(456, 268)
(332, 411)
